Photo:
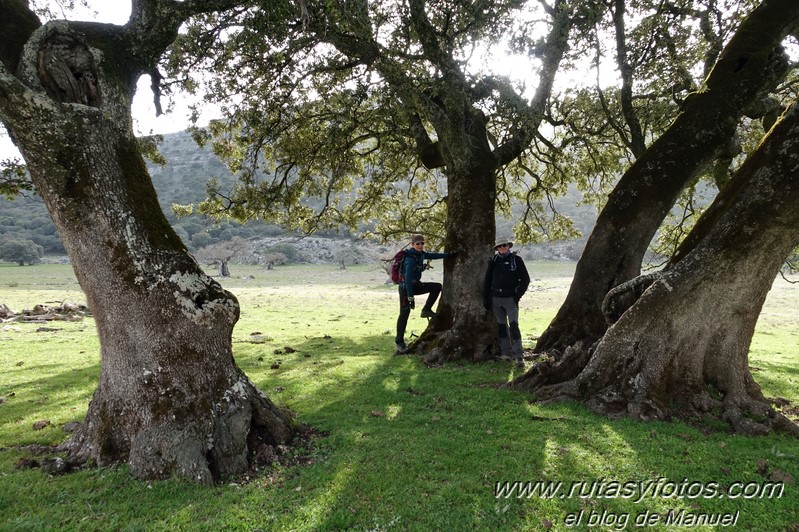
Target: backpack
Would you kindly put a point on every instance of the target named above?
(512, 260)
(396, 266)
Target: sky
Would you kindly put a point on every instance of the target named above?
(144, 120)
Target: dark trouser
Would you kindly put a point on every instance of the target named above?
(506, 312)
(434, 289)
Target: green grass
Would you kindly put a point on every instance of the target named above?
(406, 447)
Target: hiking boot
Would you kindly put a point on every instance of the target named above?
(428, 313)
(520, 363)
(505, 357)
(401, 348)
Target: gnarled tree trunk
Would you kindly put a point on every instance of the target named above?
(462, 329)
(749, 66)
(682, 348)
(170, 398)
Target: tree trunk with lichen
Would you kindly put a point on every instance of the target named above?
(170, 398)
(682, 348)
(462, 329)
(751, 64)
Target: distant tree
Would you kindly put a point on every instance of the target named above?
(20, 251)
(222, 253)
(287, 249)
(273, 258)
(358, 252)
(200, 240)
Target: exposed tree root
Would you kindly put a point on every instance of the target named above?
(262, 455)
(753, 417)
(553, 370)
(202, 446)
(744, 414)
(442, 342)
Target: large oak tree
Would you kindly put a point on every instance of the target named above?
(170, 399)
(749, 67)
(361, 88)
(682, 348)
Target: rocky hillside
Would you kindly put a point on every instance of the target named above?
(182, 180)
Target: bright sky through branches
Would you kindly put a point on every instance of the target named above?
(500, 61)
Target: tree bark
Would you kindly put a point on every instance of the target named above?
(682, 348)
(170, 398)
(750, 65)
(634, 135)
(462, 329)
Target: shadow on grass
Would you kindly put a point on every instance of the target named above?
(784, 371)
(51, 395)
(420, 448)
(415, 448)
(407, 446)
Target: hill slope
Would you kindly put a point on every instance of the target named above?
(183, 179)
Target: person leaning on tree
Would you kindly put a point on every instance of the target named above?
(506, 281)
(411, 285)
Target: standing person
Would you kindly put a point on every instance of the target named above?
(411, 285)
(506, 281)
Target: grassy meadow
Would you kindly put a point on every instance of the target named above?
(402, 446)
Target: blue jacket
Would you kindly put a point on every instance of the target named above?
(413, 266)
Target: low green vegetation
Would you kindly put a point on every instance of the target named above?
(399, 446)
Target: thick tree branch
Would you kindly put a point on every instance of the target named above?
(363, 49)
(626, 69)
(556, 46)
(154, 25)
(17, 23)
(432, 47)
(17, 102)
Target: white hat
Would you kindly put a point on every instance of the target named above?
(503, 240)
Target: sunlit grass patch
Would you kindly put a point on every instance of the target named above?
(401, 445)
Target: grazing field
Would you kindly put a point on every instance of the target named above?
(400, 446)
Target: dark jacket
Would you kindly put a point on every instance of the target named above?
(506, 276)
(413, 266)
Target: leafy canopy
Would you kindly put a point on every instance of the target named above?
(337, 101)
(330, 104)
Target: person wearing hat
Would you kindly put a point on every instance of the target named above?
(506, 281)
(411, 285)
